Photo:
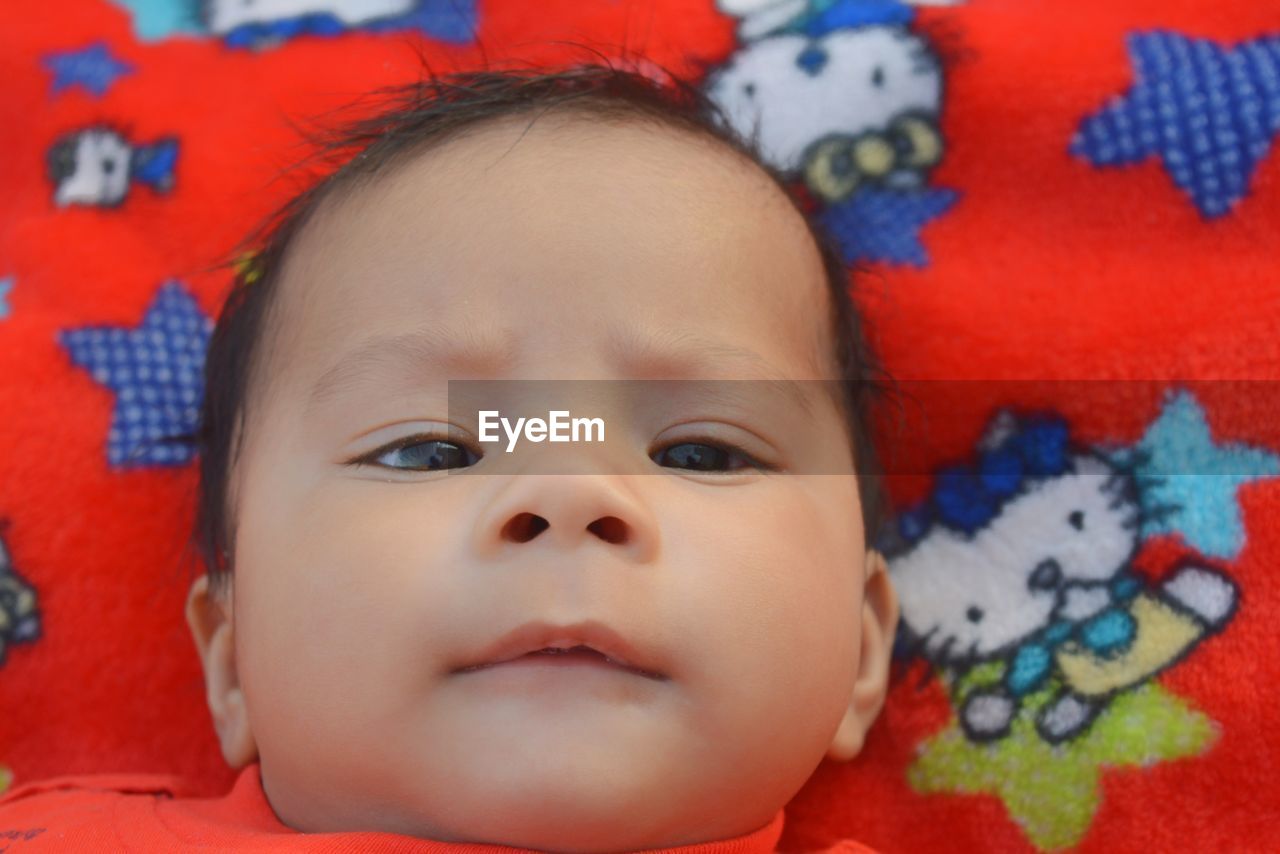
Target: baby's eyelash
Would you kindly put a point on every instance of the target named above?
(752, 461)
(371, 459)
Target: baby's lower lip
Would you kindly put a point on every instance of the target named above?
(582, 660)
(569, 658)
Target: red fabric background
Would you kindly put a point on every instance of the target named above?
(1046, 267)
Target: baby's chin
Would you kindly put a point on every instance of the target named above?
(578, 778)
(619, 783)
(554, 761)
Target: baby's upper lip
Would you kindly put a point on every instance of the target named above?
(537, 635)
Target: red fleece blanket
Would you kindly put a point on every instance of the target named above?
(1067, 216)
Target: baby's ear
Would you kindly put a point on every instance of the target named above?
(879, 624)
(209, 614)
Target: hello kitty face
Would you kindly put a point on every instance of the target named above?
(90, 167)
(966, 599)
(794, 91)
(222, 16)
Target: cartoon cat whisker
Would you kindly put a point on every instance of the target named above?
(916, 643)
(945, 650)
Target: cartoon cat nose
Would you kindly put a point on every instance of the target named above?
(1046, 576)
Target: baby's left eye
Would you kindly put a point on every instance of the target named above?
(704, 456)
(421, 453)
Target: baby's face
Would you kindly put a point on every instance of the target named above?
(582, 251)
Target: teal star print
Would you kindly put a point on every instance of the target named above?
(1189, 484)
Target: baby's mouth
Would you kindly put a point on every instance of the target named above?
(589, 646)
(584, 654)
(555, 650)
(577, 656)
(583, 657)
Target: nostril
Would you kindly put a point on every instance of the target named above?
(611, 529)
(523, 527)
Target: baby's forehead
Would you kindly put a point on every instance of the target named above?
(562, 224)
(564, 163)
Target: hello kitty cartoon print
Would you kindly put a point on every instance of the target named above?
(1025, 560)
(845, 96)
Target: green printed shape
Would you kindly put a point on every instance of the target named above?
(1051, 791)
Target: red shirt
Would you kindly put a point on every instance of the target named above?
(154, 812)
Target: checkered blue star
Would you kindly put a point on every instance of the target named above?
(156, 371)
(1188, 483)
(92, 67)
(876, 224)
(1209, 112)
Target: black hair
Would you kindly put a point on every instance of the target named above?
(428, 113)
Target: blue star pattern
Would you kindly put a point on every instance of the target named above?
(1208, 111)
(6, 285)
(156, 372)
(877, 224)
(92, 67)
(1188, 484)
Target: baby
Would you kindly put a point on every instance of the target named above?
(410, 634)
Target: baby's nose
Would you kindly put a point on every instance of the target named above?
(525, 526)
(569, 512)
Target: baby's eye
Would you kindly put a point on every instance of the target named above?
(420, 453)
(705, 456)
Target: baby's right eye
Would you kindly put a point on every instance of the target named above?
(421, 453)
(706, 456)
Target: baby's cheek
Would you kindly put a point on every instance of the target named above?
(820, 554)
(815, 590)
(328, 608)
(773, 611)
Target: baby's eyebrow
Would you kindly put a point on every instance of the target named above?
(672, 354)
(640, 354)
(470, 351)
